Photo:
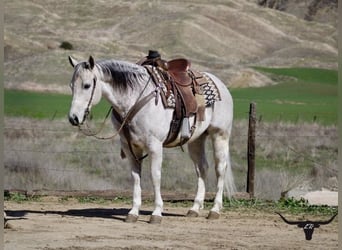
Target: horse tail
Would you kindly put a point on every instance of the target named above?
(229, 185)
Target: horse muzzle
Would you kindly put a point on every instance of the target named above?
(73, 119)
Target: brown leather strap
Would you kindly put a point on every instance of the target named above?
(128, 118)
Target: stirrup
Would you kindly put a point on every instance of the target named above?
(185, 129)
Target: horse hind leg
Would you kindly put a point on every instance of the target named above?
(197, 154)
(156, 156)
(223, 171)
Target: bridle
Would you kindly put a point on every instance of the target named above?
(123, 121)
(87, 110)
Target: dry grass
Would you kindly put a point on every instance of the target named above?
(289, 156)
(52, 155)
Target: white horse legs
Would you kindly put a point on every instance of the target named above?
(221, 156)
(136, 175)
(197, 153)
(156, 162)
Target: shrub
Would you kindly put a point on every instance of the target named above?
(66, 45)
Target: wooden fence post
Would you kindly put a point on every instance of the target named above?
(251, 150)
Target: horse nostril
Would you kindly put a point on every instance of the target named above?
(73, 120)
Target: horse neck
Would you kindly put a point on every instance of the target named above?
(122, 99)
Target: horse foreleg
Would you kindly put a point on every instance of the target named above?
(156, 163)
(136, 175)
(197, 154)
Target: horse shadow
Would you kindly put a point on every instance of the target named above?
(105, 213)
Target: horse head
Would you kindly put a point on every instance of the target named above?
(85, 90)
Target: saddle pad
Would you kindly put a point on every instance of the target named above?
(210, 91)
(207, 88)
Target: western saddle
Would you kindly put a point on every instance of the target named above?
(184, 84)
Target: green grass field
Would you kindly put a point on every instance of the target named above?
(44, 105)
(303, 94)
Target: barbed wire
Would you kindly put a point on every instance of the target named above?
(236, 134)
(8, 150)
(56, 152)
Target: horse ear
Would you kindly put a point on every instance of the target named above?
(73, 61)
(91, 62)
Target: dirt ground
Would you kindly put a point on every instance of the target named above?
(69, 225)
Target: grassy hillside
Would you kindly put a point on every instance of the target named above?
(240, 42)
(222, 37)
(309, 75)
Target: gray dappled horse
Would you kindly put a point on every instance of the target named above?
(123, 84)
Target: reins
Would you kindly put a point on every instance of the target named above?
(95, 134)
(123, 120)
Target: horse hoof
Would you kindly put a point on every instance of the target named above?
(8, 226)
(213, 215)
(131, 218)
(192, 213)
(155, 219)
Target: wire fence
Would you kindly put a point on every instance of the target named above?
(261, 133)
(46, 155)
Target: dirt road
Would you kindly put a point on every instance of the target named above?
(70, 225)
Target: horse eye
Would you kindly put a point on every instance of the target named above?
(86, 86)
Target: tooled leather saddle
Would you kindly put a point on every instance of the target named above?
(183, 84)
